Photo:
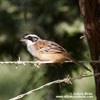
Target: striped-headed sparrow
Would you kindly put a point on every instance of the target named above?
(49, 51)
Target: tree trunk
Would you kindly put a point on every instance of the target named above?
(90, 10)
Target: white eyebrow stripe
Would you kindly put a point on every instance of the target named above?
(32, 35)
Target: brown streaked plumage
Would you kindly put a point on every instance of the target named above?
(45, 50)
(49, 51)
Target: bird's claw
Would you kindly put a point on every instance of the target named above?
(37, 64)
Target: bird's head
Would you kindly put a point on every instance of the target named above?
(30, 38)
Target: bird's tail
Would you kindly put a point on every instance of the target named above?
(77, 62)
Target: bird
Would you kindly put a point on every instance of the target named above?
(45, 50)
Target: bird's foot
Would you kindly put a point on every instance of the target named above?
(37, 64)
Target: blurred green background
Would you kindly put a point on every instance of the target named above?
(56, 20)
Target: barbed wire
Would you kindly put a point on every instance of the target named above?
(41, 62)
(67, 80)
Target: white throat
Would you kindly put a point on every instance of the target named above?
(30, 47)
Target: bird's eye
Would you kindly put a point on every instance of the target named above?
(30, 38)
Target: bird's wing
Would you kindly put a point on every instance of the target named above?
(45, 46)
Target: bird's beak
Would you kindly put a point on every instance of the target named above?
(22, 39)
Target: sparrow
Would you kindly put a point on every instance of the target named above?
(49, 51)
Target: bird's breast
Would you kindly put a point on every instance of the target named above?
(32, 50)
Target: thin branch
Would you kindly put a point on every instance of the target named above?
(65, 80)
